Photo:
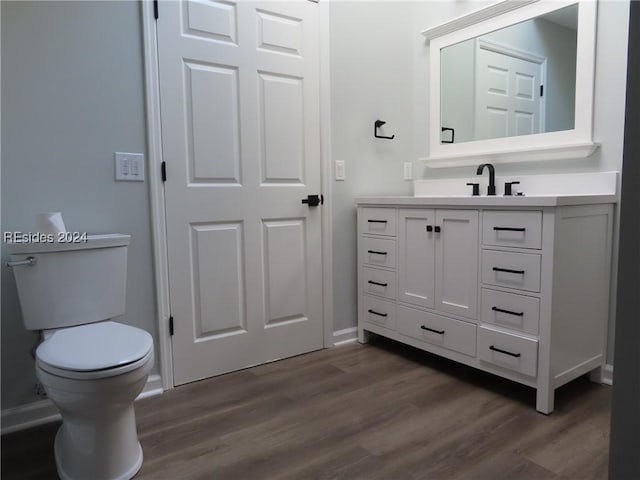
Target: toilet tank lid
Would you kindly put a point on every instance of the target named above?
(92, 241)
(96, 346)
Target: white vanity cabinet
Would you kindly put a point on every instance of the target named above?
(518, 288)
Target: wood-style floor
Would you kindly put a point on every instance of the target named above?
(380, 411)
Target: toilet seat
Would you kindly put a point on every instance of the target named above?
(96, 350)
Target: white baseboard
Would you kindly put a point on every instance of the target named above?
(28, 415)
(607, 374)
(43, 411)
(345, 336)
(152, 388)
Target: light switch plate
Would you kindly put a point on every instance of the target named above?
(408, 171)
(129, 166)
(339, 169)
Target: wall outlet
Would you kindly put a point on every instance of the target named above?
(129, 167)
(408, 171)
(339, 169)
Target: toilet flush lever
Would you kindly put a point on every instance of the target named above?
(29, 261)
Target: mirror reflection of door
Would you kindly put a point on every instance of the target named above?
(509, 97)
(490, 85)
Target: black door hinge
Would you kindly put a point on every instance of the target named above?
(541, 90)
(155, 9)
(171, 326)
(163, 171)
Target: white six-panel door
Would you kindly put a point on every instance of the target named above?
(508, 100)
(240, 134)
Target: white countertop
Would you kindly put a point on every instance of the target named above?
(485, 201)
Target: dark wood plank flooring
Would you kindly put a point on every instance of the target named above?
(380, 411)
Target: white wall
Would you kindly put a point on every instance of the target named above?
(72, 94)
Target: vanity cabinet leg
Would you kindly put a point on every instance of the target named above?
(544, 400)
(596, 375)
(363, 335)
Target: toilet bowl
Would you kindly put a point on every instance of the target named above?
(93, 373)
(91, 367)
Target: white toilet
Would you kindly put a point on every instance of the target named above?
(92, 368)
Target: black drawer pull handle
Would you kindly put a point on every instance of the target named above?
(508, 270)
(504, 351)
(375, 252)
(510, 229)
(377, 283)
(517, 314)
(378, 313)
(429, 228)
(377, 221)
(439, 332)
(436, 229)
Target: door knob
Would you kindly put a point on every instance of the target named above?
(314, 200)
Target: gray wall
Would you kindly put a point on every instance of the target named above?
(72, 94)
(370, 65)
(625, 420)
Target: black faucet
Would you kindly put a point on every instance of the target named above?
(492, 177)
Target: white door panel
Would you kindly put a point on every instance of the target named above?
(507, 95)
(240, 129)
(457, 262)
(416, 262)
(215, 293)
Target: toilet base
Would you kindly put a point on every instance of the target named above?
(97, 439)
(59, 451)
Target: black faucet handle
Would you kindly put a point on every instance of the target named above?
(476, 189)
(507, 187)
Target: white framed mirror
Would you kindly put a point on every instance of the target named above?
(513, 82)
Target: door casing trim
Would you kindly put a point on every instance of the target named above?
(157, 194)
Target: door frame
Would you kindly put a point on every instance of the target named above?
(157, 194)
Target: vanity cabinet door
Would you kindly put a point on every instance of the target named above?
(456, 266)
(416, 262)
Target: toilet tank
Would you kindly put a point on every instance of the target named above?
(71, 283)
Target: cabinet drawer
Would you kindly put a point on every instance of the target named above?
(379, 282)
(378, 221)
(508, 351)
(513, 270)
(379, 251)
(444, 332)
(379, 312)
(512, 229)
(510, 310)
